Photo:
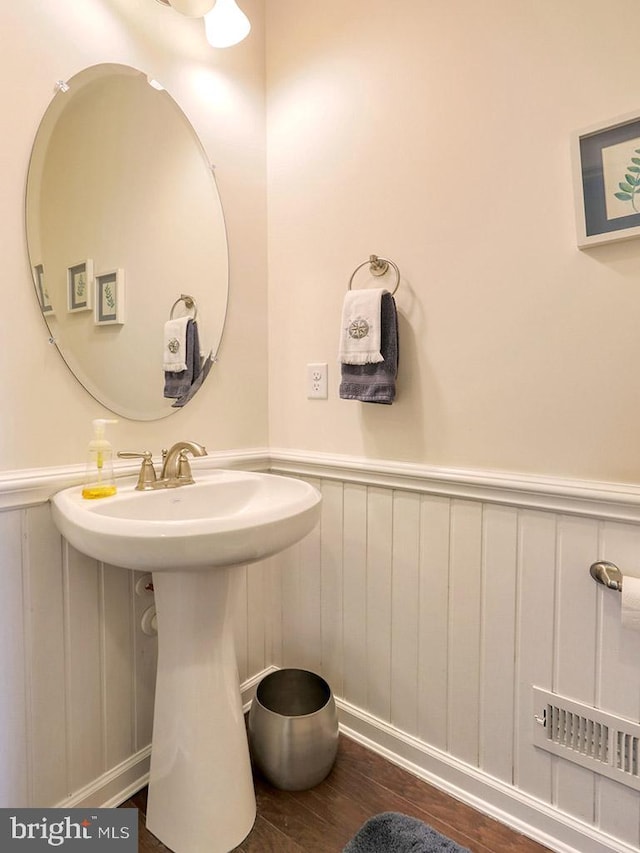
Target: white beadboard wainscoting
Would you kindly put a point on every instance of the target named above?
(432, 601)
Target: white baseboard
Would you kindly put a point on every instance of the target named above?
(521, 812)
(113, 787)
(248, 687)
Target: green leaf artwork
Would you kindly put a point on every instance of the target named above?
(630, 187)
(109, 297)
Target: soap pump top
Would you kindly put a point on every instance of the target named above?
(99, 478)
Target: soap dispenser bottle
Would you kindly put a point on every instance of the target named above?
(99, 480)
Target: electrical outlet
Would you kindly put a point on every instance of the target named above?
(317, 381)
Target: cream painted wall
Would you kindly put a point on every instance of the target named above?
(46, 414)
(437, 133)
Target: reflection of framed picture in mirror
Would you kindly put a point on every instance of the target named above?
(109, 298)
(43, 293)
(79, 286)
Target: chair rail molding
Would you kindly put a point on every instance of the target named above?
(592, 498)
(599, 499)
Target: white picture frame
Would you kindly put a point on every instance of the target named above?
(80, 286)
(109, 298)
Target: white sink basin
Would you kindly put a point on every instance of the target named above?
(193, 539)
(226, 518)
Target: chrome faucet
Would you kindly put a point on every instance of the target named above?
(176, 470)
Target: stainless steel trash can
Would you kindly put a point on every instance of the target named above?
(293, 729)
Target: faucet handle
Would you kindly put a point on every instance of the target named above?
(183, 470)
(147, 475)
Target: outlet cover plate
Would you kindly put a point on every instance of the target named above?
(317, 383)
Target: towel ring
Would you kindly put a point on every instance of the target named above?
(190, 304)
(377, 266)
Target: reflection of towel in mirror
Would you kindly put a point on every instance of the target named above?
(376, 383)
(174, 356)
(178, 383)
(197, 382)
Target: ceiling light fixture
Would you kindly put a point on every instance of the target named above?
(225, 23)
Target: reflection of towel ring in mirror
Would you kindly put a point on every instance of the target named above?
(378, 266)
(190, 304)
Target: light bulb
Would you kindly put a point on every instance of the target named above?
(226, 24)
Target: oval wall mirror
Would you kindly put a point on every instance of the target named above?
(123, 219)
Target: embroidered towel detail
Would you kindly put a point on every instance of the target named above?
(376, 383)
(174, 357)
(178, 384)
(360, 332)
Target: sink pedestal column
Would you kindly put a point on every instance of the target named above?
(201, 797)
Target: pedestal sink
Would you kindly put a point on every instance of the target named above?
(201, 797)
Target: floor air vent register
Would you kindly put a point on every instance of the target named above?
(606, 744)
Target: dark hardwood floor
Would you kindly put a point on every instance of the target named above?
(360, 785)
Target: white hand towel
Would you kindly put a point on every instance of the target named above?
(360, 334)
(175, 345)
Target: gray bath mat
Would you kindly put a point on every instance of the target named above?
(391, 832)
